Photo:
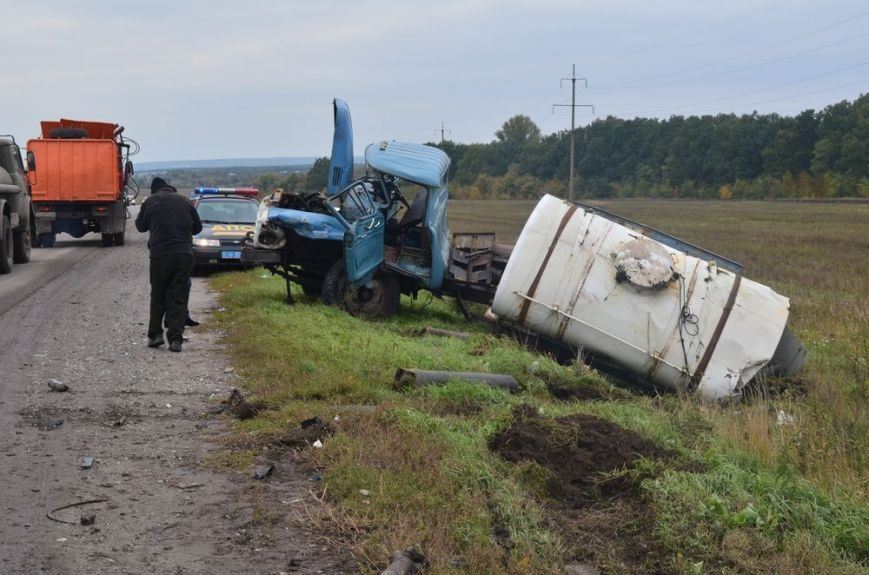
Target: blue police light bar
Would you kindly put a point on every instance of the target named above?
(224, 191)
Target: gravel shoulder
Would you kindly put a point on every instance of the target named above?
(143, 415)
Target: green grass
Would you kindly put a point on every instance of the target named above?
(742, 494)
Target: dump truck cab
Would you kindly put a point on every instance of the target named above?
(16, 210)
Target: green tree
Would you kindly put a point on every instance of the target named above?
(318, 175)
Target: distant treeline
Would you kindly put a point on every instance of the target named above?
(235, 176)
(754, 156)
(758, 156)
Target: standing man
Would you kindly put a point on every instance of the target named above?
(172, 222)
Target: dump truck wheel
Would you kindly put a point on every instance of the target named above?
(5, 245)
(21, 247)
(68, 133)
(108, 240)
(119, 239)
(378, 299)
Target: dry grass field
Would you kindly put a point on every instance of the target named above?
(570, 468)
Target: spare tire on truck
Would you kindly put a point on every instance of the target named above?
(68, 133)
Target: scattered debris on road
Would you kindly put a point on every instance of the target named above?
(57, 385)
(88, 519)
(51, 513)
(263, 472)
(87, 462)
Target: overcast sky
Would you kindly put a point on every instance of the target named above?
(219, 79)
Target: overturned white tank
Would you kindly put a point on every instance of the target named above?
(668, 312)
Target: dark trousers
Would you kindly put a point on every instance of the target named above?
(170, 278)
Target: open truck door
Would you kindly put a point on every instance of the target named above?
(365, 230)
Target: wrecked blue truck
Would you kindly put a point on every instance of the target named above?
(640, 304)
(367, 241)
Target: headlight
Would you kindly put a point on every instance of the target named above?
(204, 243)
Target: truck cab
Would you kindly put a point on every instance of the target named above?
(16, 211)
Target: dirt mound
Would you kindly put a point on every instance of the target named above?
(578, 450)
(604, 520)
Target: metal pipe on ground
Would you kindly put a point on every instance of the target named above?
(423, 378)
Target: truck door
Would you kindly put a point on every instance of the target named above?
(365, 224)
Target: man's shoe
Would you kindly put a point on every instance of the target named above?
(175, 346)
(190, 322)
(156, 341)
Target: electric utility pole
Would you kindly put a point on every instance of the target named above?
(442, 130)
(573, 106)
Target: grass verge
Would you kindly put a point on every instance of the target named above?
(414, 467)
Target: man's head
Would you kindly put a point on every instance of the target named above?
(158, 184)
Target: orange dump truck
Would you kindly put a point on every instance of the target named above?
(78, 174)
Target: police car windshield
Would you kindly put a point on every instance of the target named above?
(227, 211)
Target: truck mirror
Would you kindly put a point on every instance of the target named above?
(31, 161)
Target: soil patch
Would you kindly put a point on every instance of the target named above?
(601, 514)
(580, 451)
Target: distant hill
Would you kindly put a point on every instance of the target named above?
(301, 163)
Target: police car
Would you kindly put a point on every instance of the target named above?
(227, 214)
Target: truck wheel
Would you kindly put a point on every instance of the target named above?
(379, 299)
(21, 247)
(46, 240)
(119, 239)
(68, 133)
(5, 245)
(108, 240)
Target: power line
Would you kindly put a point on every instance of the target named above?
(741, 69)
(804, 94)
(671, 41)
(735, 96)
(736, 56)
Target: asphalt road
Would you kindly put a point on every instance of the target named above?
(77, 313)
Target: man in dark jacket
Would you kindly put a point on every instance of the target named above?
(172, 222)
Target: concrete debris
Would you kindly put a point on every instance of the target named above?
(784, 418)
(87, 462)
(407, 562)
(580, 569)
(57, 385)
(263, 472)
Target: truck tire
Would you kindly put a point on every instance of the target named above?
(6, 249)
(21, 247)
(108, 240)
(119, 239)
(46, 240)
(68, 133)
(380, 299)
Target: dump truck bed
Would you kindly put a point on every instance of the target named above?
(86, 170)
